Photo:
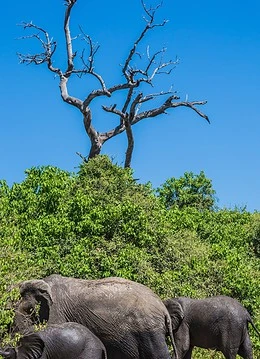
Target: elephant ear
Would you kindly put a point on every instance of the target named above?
(42, 293)
(176, 312)
(38, 287)
(30, 347)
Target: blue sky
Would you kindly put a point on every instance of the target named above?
(218, 46)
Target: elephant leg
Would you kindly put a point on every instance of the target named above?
(153, 346)
(182, 340)
(188, 354)
(245, 350)
(230, 353)
(92, 354)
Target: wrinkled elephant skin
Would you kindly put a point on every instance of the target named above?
(129, 318)
(219, 323)
(58, 341)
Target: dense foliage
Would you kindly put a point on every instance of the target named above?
(188, 191)
(100, 222)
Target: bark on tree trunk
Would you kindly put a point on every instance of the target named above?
(95, 139)
(95, 148)
(130, 147)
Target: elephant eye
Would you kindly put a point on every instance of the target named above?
(28, 308)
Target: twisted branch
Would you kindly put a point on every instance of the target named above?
(132, 88)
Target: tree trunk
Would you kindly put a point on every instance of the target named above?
(95, 139)
(130, 146)
(95, 149)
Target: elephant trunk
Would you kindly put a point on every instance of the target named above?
(9, 353)
(23, 322)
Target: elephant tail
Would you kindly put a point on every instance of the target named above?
(249, 319)
(104, 354)
(170, 332)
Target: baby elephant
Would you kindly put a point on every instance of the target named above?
(58, 341)
(219, 323)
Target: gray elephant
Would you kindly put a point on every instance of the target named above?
(129, 318)
(58, 341)
(219, 323)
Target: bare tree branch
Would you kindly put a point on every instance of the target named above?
(89, 64)
(169, 104)
(65, 95)
(158, 110)
(81, 156)
(149, 25)
(132, 88)
(114, 110)
(48, 44)
(70, 55)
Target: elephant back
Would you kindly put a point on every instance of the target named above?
(106, 299)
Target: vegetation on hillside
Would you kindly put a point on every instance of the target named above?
(100, 222)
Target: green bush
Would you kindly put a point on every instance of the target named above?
(100, 222)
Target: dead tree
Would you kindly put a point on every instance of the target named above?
(135, 79)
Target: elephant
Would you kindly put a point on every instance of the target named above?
(218, 322)
(58, 341)
(128, 317)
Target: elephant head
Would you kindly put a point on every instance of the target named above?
(34, 305)
(30, 346)
(176, 312)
